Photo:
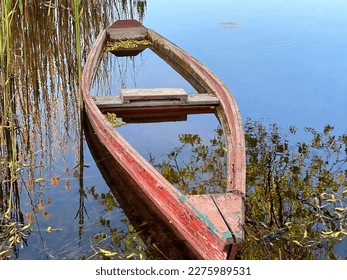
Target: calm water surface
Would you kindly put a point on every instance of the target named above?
(283, 61)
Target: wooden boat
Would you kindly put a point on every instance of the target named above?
(210, 225)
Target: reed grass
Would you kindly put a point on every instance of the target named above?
(12, 232)
(77, 14)
(41, 67)
(7, 127)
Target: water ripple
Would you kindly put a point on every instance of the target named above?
(228, 25)
(231, 28)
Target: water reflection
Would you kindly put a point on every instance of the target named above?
(159, 241)
(296, 201)
(42, 164)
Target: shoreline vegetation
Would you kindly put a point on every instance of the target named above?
(296, 204)
(39, 94)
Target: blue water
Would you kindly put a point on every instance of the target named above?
(284, 61)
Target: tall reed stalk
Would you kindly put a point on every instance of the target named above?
(78, 10)
(11, 233)
(8, 95)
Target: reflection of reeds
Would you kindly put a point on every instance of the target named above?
(39, 97)
(10, 169)
(8, 139)
(77, 13)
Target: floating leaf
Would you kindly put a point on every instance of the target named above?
(104, 251)
(26, 227)
(41, 205)
(36, 208)
(55, 180)
(38, 180)
(255, 238)
(336, 234)
(45, 214)
(297, 243)
(68, 185)
(76, 173)
(29, 217)
(131, 255)
(340, 209)
(111, 254)
(3, 252)
(108, 253)
(327, 232)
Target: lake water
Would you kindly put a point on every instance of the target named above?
(283, 60)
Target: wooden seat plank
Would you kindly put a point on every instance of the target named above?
(104, 102)
(130, 95)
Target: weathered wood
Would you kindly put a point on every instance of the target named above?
(157, 110)
(142, 94)
(231, 208)
(126, 30)
(224, 214)
(104, 102)
(205, 205)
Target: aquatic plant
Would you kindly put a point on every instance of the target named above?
(113, 119)
(128, 44)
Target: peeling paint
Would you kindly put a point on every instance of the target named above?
(226, 235)
(206, 220)
(237, 214)
(201, 216)
(183, 198)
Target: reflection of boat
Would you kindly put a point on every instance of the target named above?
(210, 225)
(162, 243)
